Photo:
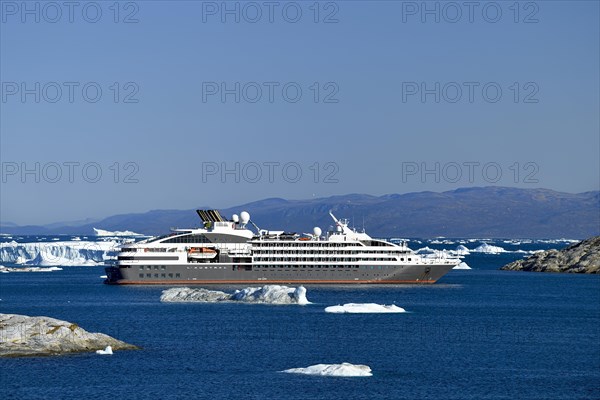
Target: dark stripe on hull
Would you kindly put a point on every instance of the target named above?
(316, 282)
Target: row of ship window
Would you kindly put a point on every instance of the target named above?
(150, 267)
(303, 251)
(170, 275)
(317, 259)
(304, 244)
(322, 266)
(188, 239)
(149, 250)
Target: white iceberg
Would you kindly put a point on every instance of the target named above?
(272, 294)
(364, 308)
(443, 241)
(102, 232)
(61, 253)
(488, 249)
(462, 265)
(462, 250)
(343, 370)
(425, 250)
(268, 294)
(6, 270)
(106, 351)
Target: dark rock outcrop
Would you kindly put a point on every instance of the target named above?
(21, 335)
(582, 257)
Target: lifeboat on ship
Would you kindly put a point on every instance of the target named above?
(201, 253)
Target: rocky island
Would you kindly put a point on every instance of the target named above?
(21, 335)
(582, 257)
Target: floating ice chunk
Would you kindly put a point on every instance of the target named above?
(102, 232)
(106, 351)
(186, 294)
(20, 260)
(364, 308)
(343, 369)
(272, 294)
(488, 249)
(268, 294)
(462, 265)
(425, 250)
(462, 250)
(443, 241)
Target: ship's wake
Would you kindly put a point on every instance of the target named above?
(268, 294)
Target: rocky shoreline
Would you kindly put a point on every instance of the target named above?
(22, 336)
(582, 258)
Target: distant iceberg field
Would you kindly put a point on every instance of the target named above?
(102, 248)
(59, 253)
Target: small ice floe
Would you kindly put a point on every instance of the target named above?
(462, 250)
(364, 308)
(106, 351)
(102, 232)
(268, 294)
(488, 249)
(462, 265)
(425, 250)
(343, 369)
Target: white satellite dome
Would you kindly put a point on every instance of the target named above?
(317, 231)
(244, 217)
(338, 228)
(235, 218)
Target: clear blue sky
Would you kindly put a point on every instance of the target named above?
(370, 129)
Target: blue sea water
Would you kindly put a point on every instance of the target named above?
(476, 334)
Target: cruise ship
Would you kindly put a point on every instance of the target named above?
(227, 251)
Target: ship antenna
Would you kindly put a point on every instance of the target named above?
(256, 226)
